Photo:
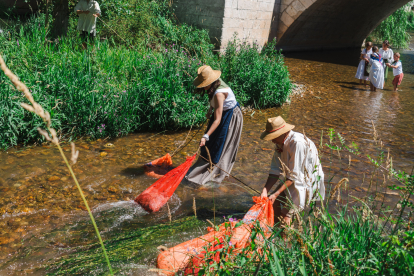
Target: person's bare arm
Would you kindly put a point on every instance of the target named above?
(218, 112)
(287, 184)
(392, 66)
(271, 181)
(96, 15)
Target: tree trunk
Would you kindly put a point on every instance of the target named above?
(60, 18)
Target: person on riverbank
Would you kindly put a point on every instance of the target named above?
(362, 74)
(223, 132)
(387, 55)
(88, 11)
(376, 72)
(296, 160)
(397, 71)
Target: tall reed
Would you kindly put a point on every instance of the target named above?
(45, 116)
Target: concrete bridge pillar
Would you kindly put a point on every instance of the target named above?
(253, 20)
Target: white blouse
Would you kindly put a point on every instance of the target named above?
(388, 54)
(300, 155)
(229, 103)
(87, 22)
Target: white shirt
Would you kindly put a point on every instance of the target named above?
(305, 170)
(397, 70)
(229, 103)
(87, 22)
(388, 54)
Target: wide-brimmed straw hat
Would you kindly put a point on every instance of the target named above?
(206, 76)
(275, 127)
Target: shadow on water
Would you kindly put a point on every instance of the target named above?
(340, 57)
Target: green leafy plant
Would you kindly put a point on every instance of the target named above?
(394, 28)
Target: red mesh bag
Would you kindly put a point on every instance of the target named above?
(178, 257)
(159, 167)
(155, 196)
(261, 212)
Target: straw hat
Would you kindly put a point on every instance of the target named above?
(275, 127)
(206, 76)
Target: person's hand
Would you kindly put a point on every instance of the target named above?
(95, 14)
(264, 193)
(273, 197)
(366, 60)
(202, 142)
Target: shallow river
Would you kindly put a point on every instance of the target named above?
(41, 211)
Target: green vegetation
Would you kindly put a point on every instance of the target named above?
(395, 27)
(114, 88)
(126, 248)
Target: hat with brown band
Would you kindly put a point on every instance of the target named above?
(275, 127)
(206, 76)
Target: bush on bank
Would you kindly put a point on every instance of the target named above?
(112, 90)
(395, 27)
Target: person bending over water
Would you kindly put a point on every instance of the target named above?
(376, 73)
(302, 178)
(223, 132)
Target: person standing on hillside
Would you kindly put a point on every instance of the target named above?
(387, 56)
(223, 133)
(296, 160)
(88, 11)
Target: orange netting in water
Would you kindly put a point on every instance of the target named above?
(190, 255)
(159, 167)
(155, 196)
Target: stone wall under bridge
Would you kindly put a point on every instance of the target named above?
(297, 24)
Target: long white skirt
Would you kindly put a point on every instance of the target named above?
(376, 75)
(360, 72)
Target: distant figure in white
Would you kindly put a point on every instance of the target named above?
(387, 56)
(376, 72)
(362, 74)
(88, 11)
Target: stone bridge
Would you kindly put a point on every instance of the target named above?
(297, 24)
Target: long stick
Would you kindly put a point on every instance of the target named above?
(232, 176)
(179, 149)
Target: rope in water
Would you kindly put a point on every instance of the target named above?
(212, 164)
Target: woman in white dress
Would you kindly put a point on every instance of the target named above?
(362, 74)
(387, 56)
(376, 72)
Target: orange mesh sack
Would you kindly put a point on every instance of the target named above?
(155, 196)
(177, 258)
(159, 167)
(262, 212)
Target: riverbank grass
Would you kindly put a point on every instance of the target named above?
(111, 90)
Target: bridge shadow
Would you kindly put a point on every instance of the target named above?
(348, 57)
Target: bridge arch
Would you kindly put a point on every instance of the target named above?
(330, 24)
(297, 24)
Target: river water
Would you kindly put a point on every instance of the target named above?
(38, 197)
